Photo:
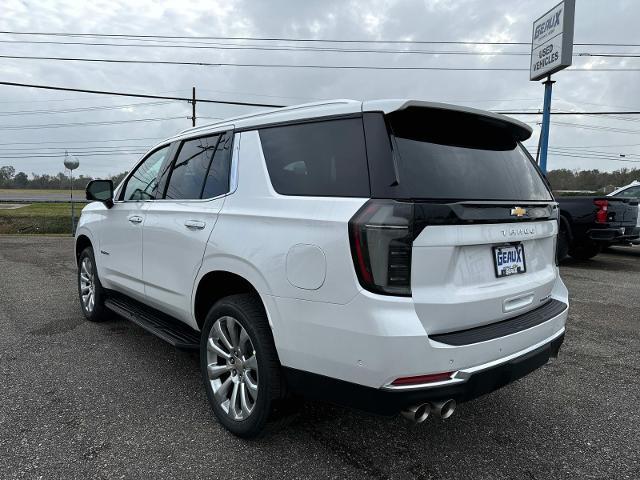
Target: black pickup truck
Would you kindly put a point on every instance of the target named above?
(587, 224)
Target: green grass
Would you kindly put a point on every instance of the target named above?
(39, 209)
(42, 218)
(79, 193)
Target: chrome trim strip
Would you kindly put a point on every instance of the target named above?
(235, 155)
(463, 375)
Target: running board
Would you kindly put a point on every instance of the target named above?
(153, 321)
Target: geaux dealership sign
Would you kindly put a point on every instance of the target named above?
(552, 43)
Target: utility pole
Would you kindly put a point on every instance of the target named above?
(193, 107)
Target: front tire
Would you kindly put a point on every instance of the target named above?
(239, 364)
(90, 289)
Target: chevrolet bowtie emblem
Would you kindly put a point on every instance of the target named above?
(518, 211)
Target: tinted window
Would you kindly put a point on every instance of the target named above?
(631, 192)
(217, 182)
(197, 161)
(319, 158)
(441, 154)
(143, 183)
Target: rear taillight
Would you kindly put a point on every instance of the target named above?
(420, 379)
(381, 235)
(603, 210)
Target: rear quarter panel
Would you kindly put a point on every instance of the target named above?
(258, 230)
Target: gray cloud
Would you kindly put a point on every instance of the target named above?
(486, 20)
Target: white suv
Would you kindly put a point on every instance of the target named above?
(394, 256)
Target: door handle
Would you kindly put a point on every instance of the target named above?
(135, 219)
(194, 224)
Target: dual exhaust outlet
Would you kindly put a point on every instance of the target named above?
(419, 413)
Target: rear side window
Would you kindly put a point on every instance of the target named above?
(631, 192)
(325, 158)
(217, 181)
(440, 154)
(201, 169)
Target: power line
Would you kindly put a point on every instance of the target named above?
(105, 148)
(136, 95)
(599, 157)
(69, 142)
(305, 99)
(105, 92)
(231, 46)
(46, 101)
(595, 158)
(70, 151)
(294, 39)
(599, 146)
(596, 104)
(539, 112)
(14, 157)
(82, 109)
(596, 153)
(596, 127)
(223, 46)
(282, 65)
(611, 55)
(86, 124)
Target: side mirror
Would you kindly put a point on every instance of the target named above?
(100, 191)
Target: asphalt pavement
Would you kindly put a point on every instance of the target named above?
(82, 400)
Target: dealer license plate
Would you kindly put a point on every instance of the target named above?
(509, 260)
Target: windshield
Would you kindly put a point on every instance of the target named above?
(440, 154)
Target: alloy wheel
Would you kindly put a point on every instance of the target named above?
(232, 368)
(87, 284)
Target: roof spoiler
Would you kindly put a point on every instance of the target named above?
(521, 131)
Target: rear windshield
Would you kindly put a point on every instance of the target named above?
(457, 156)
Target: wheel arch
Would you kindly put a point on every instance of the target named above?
(217, 284)
(82, 241)
(565, 223)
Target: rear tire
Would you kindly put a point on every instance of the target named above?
(585, 250)
(237, 354)
(90, 289)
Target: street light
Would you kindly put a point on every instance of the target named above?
(71, 163)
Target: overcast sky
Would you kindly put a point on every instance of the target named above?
(597, 21)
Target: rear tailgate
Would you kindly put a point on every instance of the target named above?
(455, 279)
(622, 212)
(483, 223)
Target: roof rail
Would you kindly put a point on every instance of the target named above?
(265, 112)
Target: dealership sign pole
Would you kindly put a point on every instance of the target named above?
(551, 51)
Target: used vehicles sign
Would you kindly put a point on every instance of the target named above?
(552, 41)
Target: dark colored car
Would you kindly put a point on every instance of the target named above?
(588, 224)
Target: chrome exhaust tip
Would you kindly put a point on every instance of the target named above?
(444, 408)
(417, 413)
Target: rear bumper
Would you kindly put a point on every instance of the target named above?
(466, 384)
(633, 236)
(618, 234)
(376, 339)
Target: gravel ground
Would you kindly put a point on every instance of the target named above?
(82, 400)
